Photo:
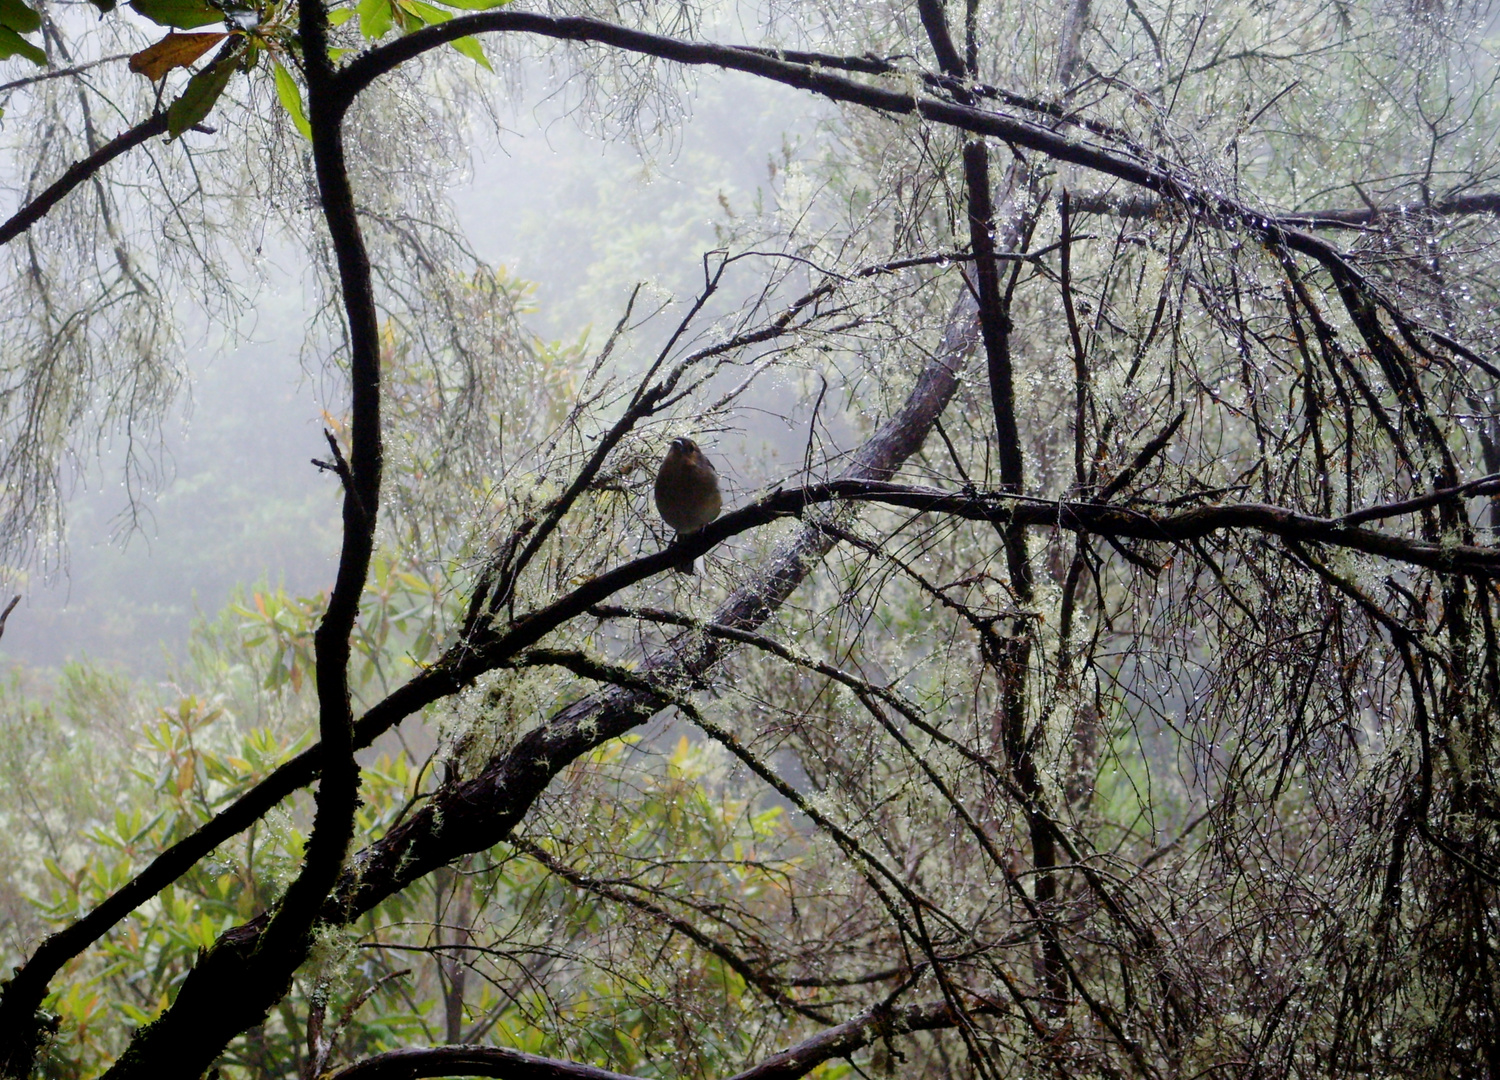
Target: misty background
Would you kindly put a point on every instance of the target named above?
(239, 505)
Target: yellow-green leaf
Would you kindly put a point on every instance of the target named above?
(183, 14)
(471, 48)
(202, 90)
(133, 1012)
(19, 17)
(291, 100)
(474, 5)
(375, 18)
(13, 44)
(426, 12)
(172, 51)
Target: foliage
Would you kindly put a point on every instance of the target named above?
(526, 934)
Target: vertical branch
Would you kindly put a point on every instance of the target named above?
(995, 328)
(1070, 43)
(453, 896)
(1312, 405)
(994, 316)
(1013, 655)
(994, 320)
(249, 968)
(338, 790)
(971, 37)
(1489, 449)
(935, 22)
(1080, 364)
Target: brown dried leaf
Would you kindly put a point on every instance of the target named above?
(172, 51)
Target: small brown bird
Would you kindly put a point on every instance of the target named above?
(687, 492)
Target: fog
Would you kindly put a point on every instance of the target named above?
(583, 216)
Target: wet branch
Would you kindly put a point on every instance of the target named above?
(842, 1040)
(78, 173)
(234, 983)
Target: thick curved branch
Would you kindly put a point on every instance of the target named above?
(1111, 520)
(1129, 523)
(1146, 171)
(1138, 168)
(416, 1063)
(1147, 206)
(1154, 176)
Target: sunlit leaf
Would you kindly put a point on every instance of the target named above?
(19, 17)
(172, 51)
(291, 100)
(202, 90)
(375, 18)
(134, 1012)
(57, 871)
(424, 14)
(183, 14)
(474, 5)
(13, 44)
(339, 16)
(431, 16)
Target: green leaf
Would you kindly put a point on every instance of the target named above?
(470, 47)
(426, 12)
(19, 17)
(291, 100)
(339, 16)
(202, 90)
(133, 1012)
(183, 14)
(474, 5)
(375, 18)
(13, 44)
